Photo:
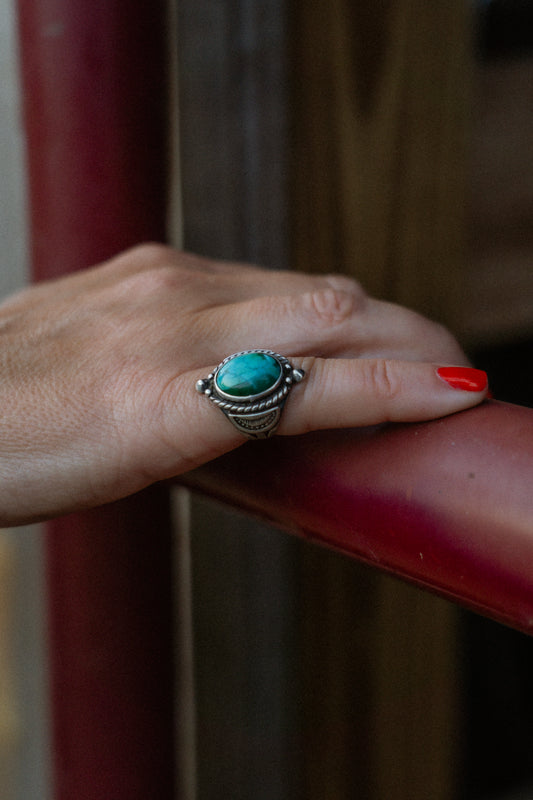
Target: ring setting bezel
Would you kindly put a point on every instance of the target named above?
(256, 415)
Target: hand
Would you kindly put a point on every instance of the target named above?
(99, 370)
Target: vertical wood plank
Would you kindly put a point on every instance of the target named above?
(233, 94)
(380, 95)
(234, 174)
(379, 141)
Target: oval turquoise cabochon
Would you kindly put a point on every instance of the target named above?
(248, 374)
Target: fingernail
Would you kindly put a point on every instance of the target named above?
(465, 378)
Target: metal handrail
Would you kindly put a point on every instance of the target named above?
(447, 504)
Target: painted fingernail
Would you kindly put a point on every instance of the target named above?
(465, 378)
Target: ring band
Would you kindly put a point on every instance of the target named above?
(251, 387)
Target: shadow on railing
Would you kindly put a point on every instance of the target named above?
(447, 504)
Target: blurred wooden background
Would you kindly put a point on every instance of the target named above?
(371, 138)
(324, 136)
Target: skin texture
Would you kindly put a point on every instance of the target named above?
(99, 369)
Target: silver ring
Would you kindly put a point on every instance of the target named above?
(251, 388)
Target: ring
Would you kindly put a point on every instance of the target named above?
(250, 388)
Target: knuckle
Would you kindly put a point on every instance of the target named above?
(329, 306)
(160, 280)
(151, 254)
(345, 283)
(382, 379)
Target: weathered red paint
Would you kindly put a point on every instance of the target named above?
(94, 91)
(445, 504)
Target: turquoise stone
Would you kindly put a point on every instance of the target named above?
(248, 374)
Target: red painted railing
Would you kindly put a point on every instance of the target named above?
(447, 504)
(95, 107)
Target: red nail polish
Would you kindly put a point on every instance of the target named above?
(465, 378)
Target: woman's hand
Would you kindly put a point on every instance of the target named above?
(98, 399)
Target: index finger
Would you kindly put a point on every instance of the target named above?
(345, 393)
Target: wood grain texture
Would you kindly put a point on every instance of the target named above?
(233, 135)
(233, 95)
(498, 288)
(379, 96)
(379, 146)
